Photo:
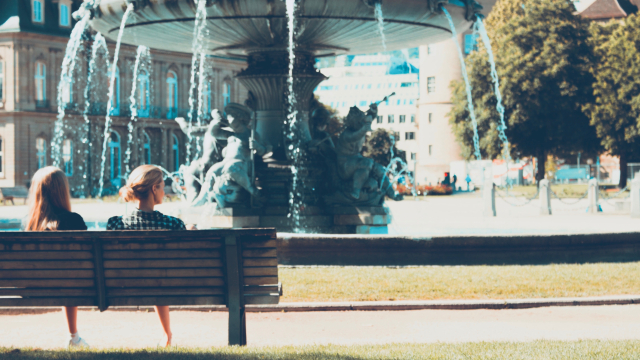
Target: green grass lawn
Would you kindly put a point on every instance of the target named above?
(547, 350)
(357, 283)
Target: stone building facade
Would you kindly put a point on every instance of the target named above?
(33, 39)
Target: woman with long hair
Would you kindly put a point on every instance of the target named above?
(50, 210)
(145, 188)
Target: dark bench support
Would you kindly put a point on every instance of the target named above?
(237, 318)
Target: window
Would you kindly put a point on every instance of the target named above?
(1, 157)
(431, 84)
(38, 11)
(414, 156)
(390, 119)
(41, 152)
(402, 119)
(176, 152)
(406, 84)
(114, 158)
(430, 117)
(430, 149)
(363, 103)
(379, 120)
(67, 157)
(413, 118)
(172, 95)
(429, 50)
(410, 135)
(1, 81)
(115, 102)
(396, 136)
(369, 86)
(206, 99)
(470, 44)
(226, 93)
(64, 15)
(146, 149)
(143, 94)
(41, 84)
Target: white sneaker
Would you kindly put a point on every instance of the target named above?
(77, 344)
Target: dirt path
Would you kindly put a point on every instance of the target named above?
(140, 329)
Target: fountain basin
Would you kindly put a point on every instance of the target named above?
(325, 28)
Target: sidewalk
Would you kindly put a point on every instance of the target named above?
(141, 329)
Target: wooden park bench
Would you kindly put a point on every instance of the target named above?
(230, 267)
(11, 193)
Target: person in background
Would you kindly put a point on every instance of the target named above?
(50, 210)
(145, 188)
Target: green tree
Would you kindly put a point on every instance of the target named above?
(378, 147)
(542, 56)
(615, 113)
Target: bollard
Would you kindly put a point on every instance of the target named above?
(635, 198)
(545, 197)
(593, 197)
(488, 197)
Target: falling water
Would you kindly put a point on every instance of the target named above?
(66, 80)
(142, 54)
(202, 81)
(99, 44)
(496, 87)
(196, 71)
(107, 122)
(380, 19)
(472, 112)
(404, 170)
(296, 195)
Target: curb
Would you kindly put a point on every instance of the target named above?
(401, 305)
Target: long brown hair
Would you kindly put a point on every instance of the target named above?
(49, 192)
(140, 182)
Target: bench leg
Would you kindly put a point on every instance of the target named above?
(237, 326)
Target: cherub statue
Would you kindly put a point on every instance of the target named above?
(225, 178)
(358, 173)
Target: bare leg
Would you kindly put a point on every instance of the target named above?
(71, 312)
(163, 315)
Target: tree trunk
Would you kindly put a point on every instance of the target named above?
(623, 171)
(542, 162)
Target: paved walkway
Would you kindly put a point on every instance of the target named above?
(198, 329)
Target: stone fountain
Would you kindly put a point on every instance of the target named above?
(341, 189)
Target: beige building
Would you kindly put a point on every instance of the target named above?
(33, 39)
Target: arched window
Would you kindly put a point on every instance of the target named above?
(114, 158)
(226, 93)
(1, 157)
(64, 14)
(172, 95)
(41, 152)
(41, 84)
(115, 102)
(67, 157)
(147, 149)
(38, 11)
(143, 94)
(176, 152)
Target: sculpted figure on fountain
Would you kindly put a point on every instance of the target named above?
(225, 179)
(357, 180)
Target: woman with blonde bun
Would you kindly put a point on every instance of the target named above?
(145, 188)
(50, 210)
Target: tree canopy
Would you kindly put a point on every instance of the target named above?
(615, 111)
(543, 59)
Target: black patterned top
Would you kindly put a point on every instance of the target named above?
(142, 220)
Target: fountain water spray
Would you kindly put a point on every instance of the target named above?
(99, 44)
(202, 80)
(196, 71)
(380, 20)
(142, 53)
(496, 88)
(107, 122)
(404, 170)
(66, 79)
(472, 112)
(296, 196)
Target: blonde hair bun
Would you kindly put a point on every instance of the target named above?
(140, 182)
